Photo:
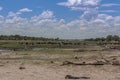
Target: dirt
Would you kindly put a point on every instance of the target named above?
(47, 70)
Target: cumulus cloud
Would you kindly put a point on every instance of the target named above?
(86, 6)
(14, 18)
(38, 24)
(47, 25)
(81, 4)
(103, 25)
(21, 11)
(11, 14)
(47, 14)
(88, 15)
(92, 23)
(43, 17)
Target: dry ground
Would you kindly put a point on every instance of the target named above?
(47, 66)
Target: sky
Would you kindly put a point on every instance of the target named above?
(66, 19)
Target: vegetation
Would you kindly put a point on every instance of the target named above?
(108, 38)
(17, 42)
(19, 37)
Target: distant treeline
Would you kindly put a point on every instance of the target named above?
(107, 38)
(19, 37)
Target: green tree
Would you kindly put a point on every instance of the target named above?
(109, 38)
(116, 38)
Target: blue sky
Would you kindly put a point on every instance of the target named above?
(60, 18)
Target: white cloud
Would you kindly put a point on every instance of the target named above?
(81, 4)
(86, 6)
(13, 18)
(15, 14)
(43, 17)
(88, 15)
(1, 8)
(110, 5)
(1, 19)
(47, 25)
(24, 10)
(90, 24)
(11, 14)
(104, 16)
(47, 14)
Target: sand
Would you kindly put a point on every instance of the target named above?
(10, 70)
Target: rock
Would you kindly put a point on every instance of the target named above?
(52, 62)
(67, 63)
(76, 57)
(21, 68)
(84, 77)
(1, 65)
(73, 77)
(115, 62)
(98, 63)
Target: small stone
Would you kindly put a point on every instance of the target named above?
(21, 68)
